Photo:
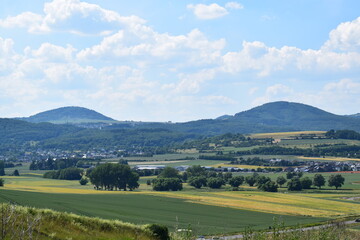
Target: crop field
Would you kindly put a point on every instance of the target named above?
(281, 135)
(141, 209)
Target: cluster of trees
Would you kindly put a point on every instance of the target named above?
(334, 150)
(168, 180)
(262, 182)
(343, 134)
(218, 157)
(228, 139)
(296, 181)
(53, 164)
(265, 162)
(71, 173)
(110, 176)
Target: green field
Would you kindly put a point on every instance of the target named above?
(141, 209)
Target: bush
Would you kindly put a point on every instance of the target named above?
(83, 181)
(161, 232)
(2, 181)
(16, 172)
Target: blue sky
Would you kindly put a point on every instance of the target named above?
(178, 60)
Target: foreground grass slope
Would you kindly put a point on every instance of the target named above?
(29, 223)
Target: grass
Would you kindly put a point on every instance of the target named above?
(30, 223)
(280, 135)
(143, 209)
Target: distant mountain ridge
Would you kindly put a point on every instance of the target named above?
(270, 117)
(70, 115)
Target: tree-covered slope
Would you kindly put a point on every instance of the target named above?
(69, 115)
(296, 116)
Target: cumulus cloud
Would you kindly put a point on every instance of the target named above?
(206, 12)
(71, 16)
(212, 11)
(264, 60)
(234, 5)
(143, 42)
(345, 38)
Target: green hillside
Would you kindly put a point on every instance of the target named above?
(31, 223)
(69, 115)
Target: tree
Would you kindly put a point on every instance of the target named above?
(195, 170)
(16, 172)
(227, 176)
(269, 186)
(262, 180)
(306, 183)
(111, 176)
(294, 184)
(281, 180)
(236, 181)
(319, 180)
(2, 181)
(197, 182)
(169, 172)
(215, 182)
(167, 184)
(336, 181)
(2, 168)
(251, 180)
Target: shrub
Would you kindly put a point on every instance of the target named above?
(83, 181)
(161, 232)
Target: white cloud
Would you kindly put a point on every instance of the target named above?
(234, 5)
(71, 16)
(24, 20)
(206, 12)
(264, 60)
(346, 37)
(143, 43)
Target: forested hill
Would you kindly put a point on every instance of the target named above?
(270, 117)
(296, 116)
(72, 115)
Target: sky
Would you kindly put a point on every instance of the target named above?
(178, 60)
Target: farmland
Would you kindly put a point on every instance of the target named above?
(198, 209)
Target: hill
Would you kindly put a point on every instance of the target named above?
(296, 116)
(270, 117)
(71, 115)
(357, 115)
(31, 223)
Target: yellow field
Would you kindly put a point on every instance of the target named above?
(280, 135)
(309, 204)
(337, 159)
